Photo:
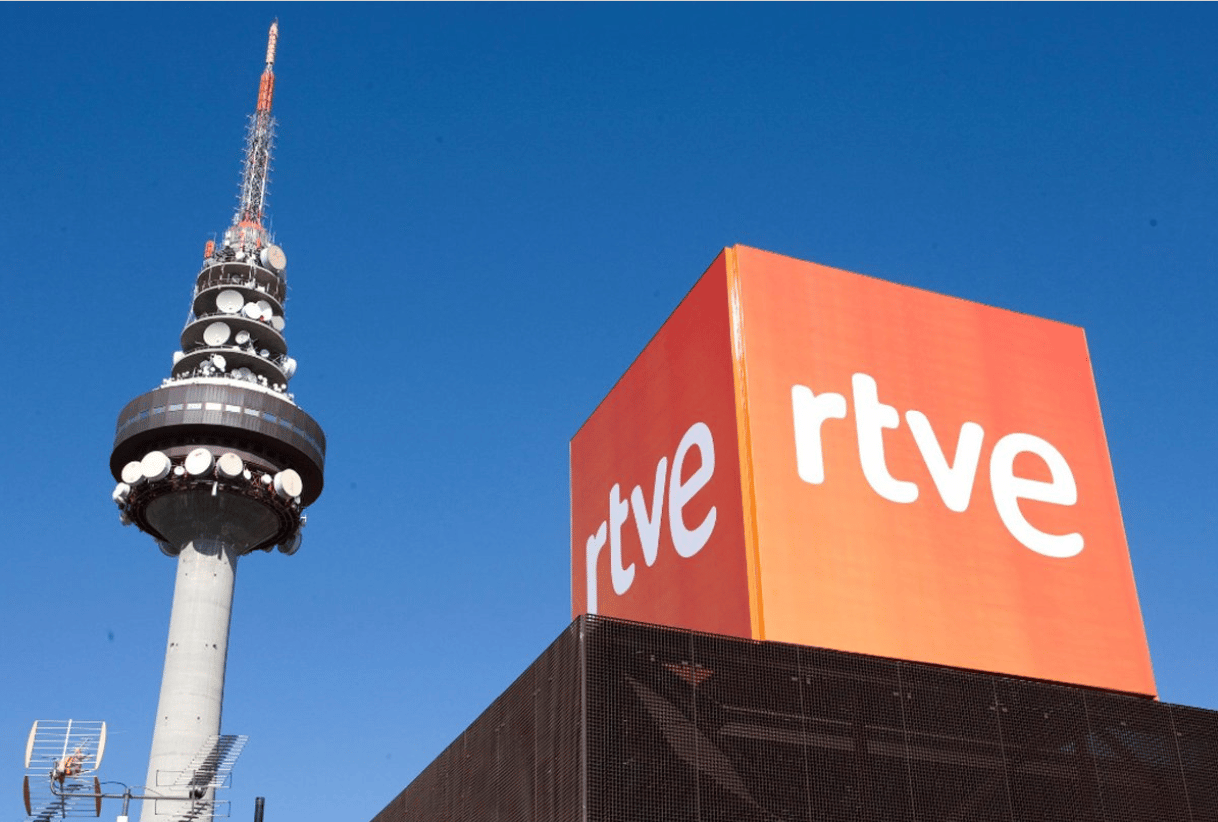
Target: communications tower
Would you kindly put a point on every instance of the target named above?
(219, 461)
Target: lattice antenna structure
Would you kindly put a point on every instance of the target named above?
(61, 757)
(209, 771)
(247, 230)
(219, 461)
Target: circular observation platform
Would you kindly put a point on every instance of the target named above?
(269, 433)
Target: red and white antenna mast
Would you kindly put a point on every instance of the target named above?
(247, 231)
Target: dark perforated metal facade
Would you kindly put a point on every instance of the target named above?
(623, 722)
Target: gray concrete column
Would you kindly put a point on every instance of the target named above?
(192, 685)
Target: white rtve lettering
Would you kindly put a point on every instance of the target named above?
(686, 541)
(954, 480)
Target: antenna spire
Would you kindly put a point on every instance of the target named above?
(247, 231)
(266, 88)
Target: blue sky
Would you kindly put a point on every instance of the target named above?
(487, 211)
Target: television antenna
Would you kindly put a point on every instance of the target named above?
(65, 753)
(62, 756)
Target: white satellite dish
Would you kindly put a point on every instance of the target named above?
(177, 356)
(290, 545)
(132, 473)
(242, 337)
(244, 373)
(262, 352)
(273, 258)
(264, 309)
(198, 462)
(229, 301)
(219, 362)
(121, 492)
(289, 367)
(288, 483)
(155, 465)
(252, 311)
(277, 323)
(230, 465)
(216, 334)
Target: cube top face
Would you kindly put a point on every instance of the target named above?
(812, 456)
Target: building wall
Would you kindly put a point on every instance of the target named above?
(681, 725)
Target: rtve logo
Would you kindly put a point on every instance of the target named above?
(686, 540)
(954, 480)
(672, 491)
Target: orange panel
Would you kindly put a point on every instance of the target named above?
(655, 481)
(931, 480)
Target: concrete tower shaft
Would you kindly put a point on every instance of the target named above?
(217, 462)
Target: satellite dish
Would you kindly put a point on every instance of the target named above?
(265, 311)
(244, 373)
(216, 334)
(155, 465)
(262, 352)
(229, 301)
(277, 323)
(177, 356)
(230, 465)
(219, 362)
(288, 484)
(289, 367)
(290, 545)
(198, 462)
(121, 492)
(273, 258)
(242, 337)
(132, 473)
(252, 311)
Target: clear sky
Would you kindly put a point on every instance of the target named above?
(487, 212)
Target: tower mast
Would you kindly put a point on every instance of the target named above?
(247, 225)
(216, 463)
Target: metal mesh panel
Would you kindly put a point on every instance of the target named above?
(1136, 759)
(688, 726)
(1197, 740)
(755, 763)
(856, 737)
(677, 726)
(953, 745)
(1045, 743)
(641, 742)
